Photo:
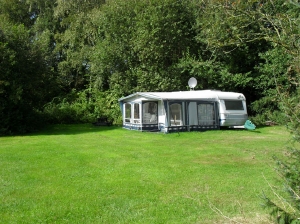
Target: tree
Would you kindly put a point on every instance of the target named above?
(234, 42)
(24, 81)
(17, 12)
(114, 60)
(164, 35)
(276, 23)
(286, 28)
(74, 40)
(140, 45)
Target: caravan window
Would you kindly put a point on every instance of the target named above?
(234, 105)
(136, 112)
(175, 114)
(150, 113)
(127, 112)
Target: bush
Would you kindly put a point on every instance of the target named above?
(286, 209)
(20, 119)
(83, 107)
(277, 117)
(69, 113)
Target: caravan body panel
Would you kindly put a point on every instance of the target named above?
(232, 109)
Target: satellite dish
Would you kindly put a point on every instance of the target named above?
(192, 83)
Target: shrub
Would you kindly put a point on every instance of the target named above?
(276, 117)
(83, 107)
(286, 209)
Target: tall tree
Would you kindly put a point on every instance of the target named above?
(232, 33)
(141, 44)
(164, 35)
(24, 81)
(283, 30)
(74, 40)
(17, 12)
(114, 59)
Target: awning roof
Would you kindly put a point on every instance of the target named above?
(187, 95)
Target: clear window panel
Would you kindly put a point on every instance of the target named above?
(150, 113)
(136, 111)
(175, 114)
(127, 112)
(206, 114)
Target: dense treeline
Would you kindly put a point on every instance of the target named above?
(69, 61)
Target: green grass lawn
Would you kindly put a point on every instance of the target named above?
(87, 174)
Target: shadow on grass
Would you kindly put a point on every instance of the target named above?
(256, 131)
(242, 129)
(69, 129)
(74, 129)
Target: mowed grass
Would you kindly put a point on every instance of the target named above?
(87, 174)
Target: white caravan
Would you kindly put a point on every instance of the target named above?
(183, 110)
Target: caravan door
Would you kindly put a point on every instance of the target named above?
(206, 114)
(203, 115)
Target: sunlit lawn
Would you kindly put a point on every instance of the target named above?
(87, 174)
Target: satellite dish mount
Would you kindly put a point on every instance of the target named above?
(192, 83)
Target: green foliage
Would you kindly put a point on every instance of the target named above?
(164, 35)
(74, 39)
(83, 107)
(72, 109)
(212, 74)
(140, 45)
(286, 75)
(17, 12)
(275, 117)
(286, 208)
(233, 44)
(291, 107)
(109, 49)
(113, 58)
(106, 103)
(24, 81)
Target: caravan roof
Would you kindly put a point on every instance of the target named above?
(187, 95)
